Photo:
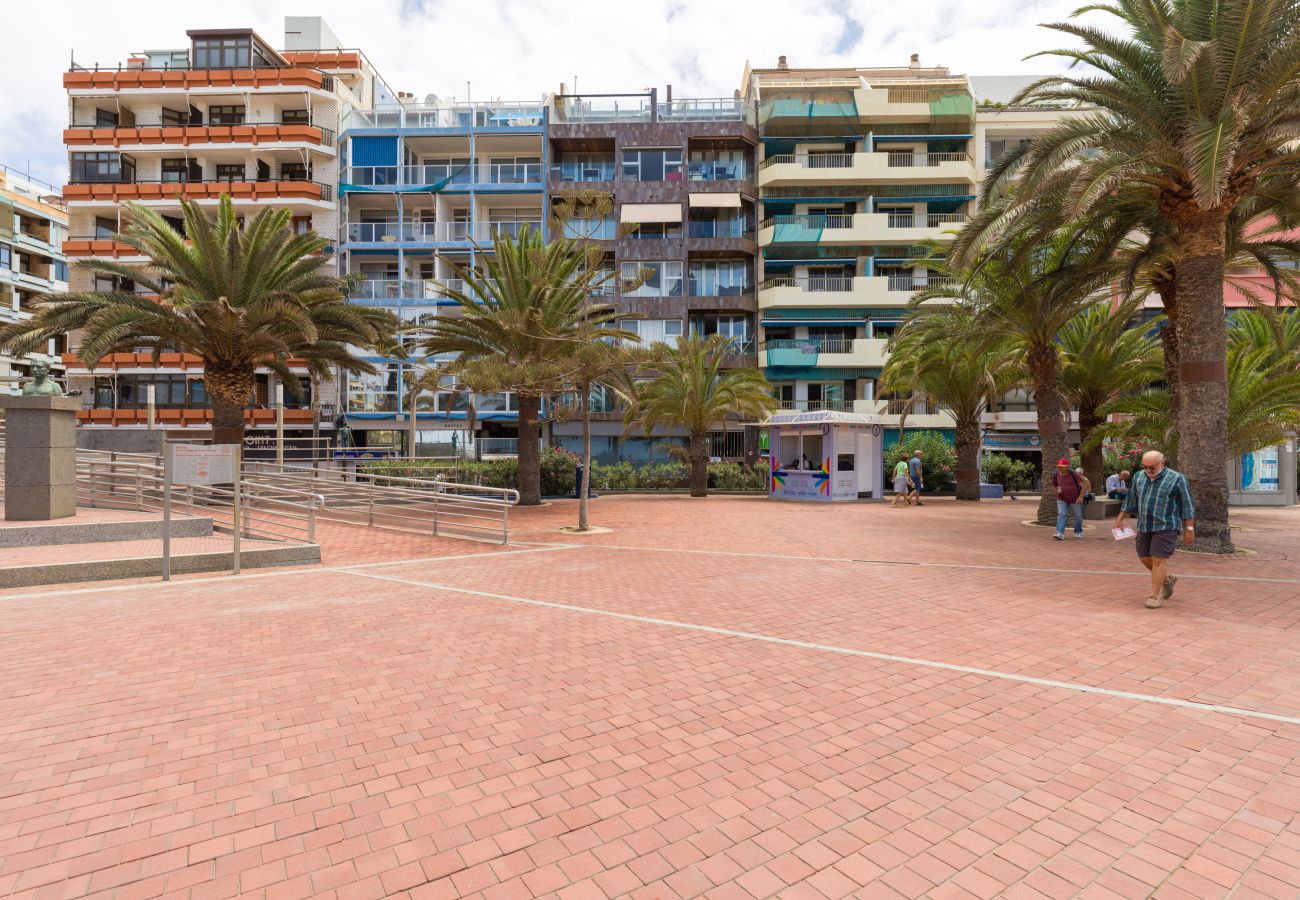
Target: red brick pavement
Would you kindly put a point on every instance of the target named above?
(333, 733)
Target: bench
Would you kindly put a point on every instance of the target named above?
(1102, 508)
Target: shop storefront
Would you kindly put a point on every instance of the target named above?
(825, 455)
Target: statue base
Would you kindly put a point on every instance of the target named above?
(40, 457)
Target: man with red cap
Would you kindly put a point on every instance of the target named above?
(1069, 495)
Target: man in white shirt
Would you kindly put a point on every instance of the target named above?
(1117, 486)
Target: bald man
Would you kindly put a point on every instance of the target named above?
(1161, 501)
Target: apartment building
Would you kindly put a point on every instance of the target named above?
(425, 187)
(679, 231)
(33, 223)
(223, 114)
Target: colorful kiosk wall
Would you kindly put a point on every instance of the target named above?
(844, 453)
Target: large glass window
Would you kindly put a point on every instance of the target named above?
(719, 278)
(223, 53)
(652, 331)
(102, 167)
(226, 115)
(176, 170)
(6, 257)
(132, 392)
(230, 172)
(735, 327)
(720, 165)
(105, 228)
(657, 278)
(646, 231)
(375, 392)
(652, 165)
(293, 117)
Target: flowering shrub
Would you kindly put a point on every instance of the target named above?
(938, 458)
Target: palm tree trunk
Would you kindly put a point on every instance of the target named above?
(966, 438)
(1169, 343)
(530, 463)
(1093, 459)
(230, 388)
(1202, 374)
(1051, 425)
(699, 457)
(584, 489)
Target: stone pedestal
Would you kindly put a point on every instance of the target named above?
(40, 457)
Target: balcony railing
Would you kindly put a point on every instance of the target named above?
(913, 283)
(925, 160)
(911, 407)
(811, 345)
(717, 171)
(811, 160)
(638, 108)
(827, 284)
(238, 188)
(434, 232)
(436, 173)
(813, 405)
(924, 220)
(396, 289)
(835, 220)
(583, 171)
(506, 114)
(713, 228)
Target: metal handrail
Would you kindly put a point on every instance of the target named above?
(422, 503)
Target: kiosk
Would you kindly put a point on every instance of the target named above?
(825, 455)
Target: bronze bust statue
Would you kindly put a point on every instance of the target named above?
(40, 385)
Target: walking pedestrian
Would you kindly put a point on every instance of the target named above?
(1069, 497)
(917, 473)
(902, 484)
(1162, 504)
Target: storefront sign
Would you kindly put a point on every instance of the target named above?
(1013, 442)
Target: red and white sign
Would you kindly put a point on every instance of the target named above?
(203, 463)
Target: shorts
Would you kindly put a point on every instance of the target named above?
(1159, 544)
(900, 484)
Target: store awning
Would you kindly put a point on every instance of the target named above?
(731, 200)
(651, 212)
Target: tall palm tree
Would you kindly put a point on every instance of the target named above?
(691, 390)
(1193, 110)
(1028, 291)
(1102, 359)
(943, 354)
(238, 296)
(518, 318)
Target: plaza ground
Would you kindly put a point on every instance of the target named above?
(725, 698)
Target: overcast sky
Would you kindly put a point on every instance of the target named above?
(520, 49)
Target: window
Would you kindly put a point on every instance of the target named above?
(132, 392)
(60, 270)
(6, 257)
(222, 53)
(373, 392)
(647, 231)
(106, 118)
(177, 170)
(102, 167)
(735, 327)
(653, 330)
(225, 115)
(719, 278)
(723, 165)
(657, 278)
(295, 172)
(105, 228)
(652, 165)
(175, 117)
(230, 172)
(294, 117)
(300, 224)
(109, 284)
(718, 223)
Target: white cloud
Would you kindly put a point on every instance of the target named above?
(522, 48)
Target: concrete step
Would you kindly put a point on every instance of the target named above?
(39, 534)
(141, 559)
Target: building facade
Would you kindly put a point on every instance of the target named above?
(33, 224)
(224, 114)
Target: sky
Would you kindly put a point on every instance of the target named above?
(521, 49)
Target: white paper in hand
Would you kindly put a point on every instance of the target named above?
(1123, 533)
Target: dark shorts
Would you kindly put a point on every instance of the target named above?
(1159, 544)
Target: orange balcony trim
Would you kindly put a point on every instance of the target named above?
(127, 79)
(195, 190)
(98, 248)
(252, 417)
(192, 134)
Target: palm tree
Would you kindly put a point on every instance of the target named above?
(1263, 404)
(518, 320)
(1277, 331)
(692, 390)
(238, 296)
(1103, 359)
(942, 353)
(1027, 292)
(1193, 111)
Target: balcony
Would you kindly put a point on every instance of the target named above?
(903, 103)
(127, 361)
(858, 228)
(807, 169)
(95, 245)
(398, 289)
(434, 232)
(821, 291)
(583, 172)
(146, 137)
(111, 79)
(184, 418)
(455, 116)
(839, 353)
(715, 171)
(920, 413)
(206, 189)
(575, 110)
(477, 174)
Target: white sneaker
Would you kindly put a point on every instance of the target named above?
(1079, 535)
(1059, 537)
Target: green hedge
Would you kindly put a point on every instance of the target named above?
(558, 467)
(938, 458)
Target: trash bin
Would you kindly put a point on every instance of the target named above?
(577, 484)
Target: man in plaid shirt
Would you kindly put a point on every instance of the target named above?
(1162, 504)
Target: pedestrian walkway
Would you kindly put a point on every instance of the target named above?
(846, 701)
